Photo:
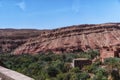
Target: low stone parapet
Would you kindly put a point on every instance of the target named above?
(7, 74)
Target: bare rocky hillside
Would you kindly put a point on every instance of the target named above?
(67, 39)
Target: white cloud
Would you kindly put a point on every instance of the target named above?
(76, 6)
(22, 5)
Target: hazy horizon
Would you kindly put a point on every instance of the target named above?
(53, 28)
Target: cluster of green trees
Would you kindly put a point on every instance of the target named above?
(52, 66)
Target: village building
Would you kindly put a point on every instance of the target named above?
(107, 52)
(81, 62)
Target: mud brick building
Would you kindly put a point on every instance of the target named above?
(81, 62)
(107, 52)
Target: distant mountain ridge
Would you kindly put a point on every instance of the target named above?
(66, 39)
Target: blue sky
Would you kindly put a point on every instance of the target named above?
(50, 14)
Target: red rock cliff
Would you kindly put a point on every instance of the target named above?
(67, 39)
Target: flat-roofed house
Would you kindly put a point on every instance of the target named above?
(81, 62)
(107, 52)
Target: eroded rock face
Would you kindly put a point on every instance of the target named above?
(67, 39)
(11, 39)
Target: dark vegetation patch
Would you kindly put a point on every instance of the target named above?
(58, 67)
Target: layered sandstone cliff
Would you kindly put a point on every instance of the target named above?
(11, 39)
(67, 39)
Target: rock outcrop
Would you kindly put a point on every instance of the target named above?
(11, 39)
(67, 39)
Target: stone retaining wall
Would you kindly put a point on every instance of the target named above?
(7, 74)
